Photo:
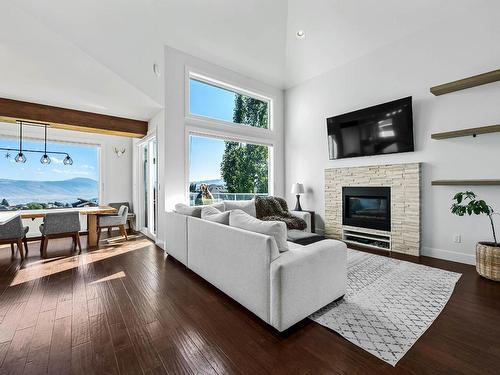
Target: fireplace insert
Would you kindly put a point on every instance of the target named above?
(367, 207)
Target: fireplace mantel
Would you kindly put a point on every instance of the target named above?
(404, 181)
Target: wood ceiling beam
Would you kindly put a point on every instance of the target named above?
(70, 119)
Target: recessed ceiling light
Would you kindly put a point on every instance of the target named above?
(156, 69)
(300, 34)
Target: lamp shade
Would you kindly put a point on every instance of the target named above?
(298, 188)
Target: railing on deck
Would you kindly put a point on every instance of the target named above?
(219, 197)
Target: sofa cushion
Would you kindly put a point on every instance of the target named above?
(246, 206)
(195, 211)
(277, 229)
(211, 213)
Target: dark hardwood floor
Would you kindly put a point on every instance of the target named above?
(127, 308)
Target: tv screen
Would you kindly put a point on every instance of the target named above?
(382, 129)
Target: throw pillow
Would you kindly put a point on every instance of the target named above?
(211, 213)
(276, 229)
(195, 211)
(246, 206)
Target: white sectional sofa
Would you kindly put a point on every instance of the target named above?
(280, 288)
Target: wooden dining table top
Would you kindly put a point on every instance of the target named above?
(6, 216)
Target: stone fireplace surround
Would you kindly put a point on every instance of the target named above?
(404, 181)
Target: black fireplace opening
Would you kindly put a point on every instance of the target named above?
(367, 207)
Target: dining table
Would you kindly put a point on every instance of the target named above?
(90, 212)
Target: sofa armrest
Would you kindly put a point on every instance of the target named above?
(234, 260)
(176, 236)
(304, 215)
(306, 279)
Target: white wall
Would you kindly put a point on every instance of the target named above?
(468, 45)
(173, 141)
(116, 173)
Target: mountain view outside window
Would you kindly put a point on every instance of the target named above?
(32, 185)
(227, 170)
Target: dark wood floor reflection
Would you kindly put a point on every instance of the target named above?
(128, 309)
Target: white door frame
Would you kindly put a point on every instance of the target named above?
(149, 232)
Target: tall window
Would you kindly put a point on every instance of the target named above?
(226, 170)
(32, 185)
(211, 101)
(225, 167)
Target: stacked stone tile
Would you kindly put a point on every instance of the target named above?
(404, 180)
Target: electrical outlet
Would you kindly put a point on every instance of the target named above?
(457, 238)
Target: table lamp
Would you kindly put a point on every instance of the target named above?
(298, 189)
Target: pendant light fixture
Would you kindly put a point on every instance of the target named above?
(67, 160)
(45, 158)
(20, 158)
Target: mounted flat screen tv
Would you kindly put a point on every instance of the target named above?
(382, 129)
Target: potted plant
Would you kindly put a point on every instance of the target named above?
(487, 253)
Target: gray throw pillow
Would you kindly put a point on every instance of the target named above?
(276, 229)
(246, 206)
(211, 213)
(195, 211)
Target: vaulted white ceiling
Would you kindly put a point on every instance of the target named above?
(97, 55)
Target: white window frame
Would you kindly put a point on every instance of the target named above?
(191, 131)
(205, 120)
(213, 128)
(27, 135)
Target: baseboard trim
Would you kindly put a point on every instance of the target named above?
(161, 244)
(454, 256)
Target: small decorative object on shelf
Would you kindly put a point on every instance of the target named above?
(298, 189)
(487, 253)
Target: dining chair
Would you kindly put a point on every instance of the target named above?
(130, 215)
(113, 221)
(60, 225)
(13, 232)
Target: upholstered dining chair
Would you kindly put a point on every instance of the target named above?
(60, 225)
(13, 232)
(130, 215)
(113, 221)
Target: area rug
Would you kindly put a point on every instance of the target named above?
(388, 305)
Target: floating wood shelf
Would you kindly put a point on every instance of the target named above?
(465, 182)
(467, 132)
(466, 83)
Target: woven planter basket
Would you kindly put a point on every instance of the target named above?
(488, 260)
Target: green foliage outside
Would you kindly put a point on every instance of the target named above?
(36, 206)
(244, 167)
(4, 202)
(466, 203)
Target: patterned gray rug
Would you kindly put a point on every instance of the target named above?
(389, 303)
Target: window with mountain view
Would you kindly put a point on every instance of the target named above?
(32, 185)
(211, 101)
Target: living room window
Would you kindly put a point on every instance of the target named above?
(211, 99)
(33, 185)
(225, 169)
